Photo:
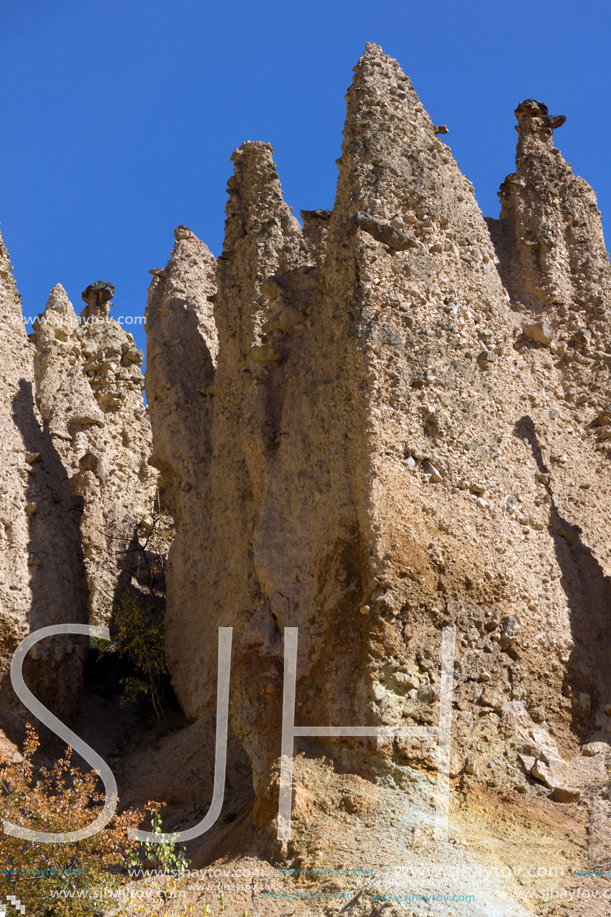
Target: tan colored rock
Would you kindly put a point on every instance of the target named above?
(41, 562)
(566, 794)
(527, 762)
(541, 333)
(182, 346)
(549, 236)
(368, 476)
(315, 231)
(311, 514)
(89, 391)
(590, 749)
(552, 772)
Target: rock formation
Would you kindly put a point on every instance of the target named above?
(89, 390)
(182, 347)
(388, 445)
(389, 420)
(41, 574)
(554, 264)
(549, 236)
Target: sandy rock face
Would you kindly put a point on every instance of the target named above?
(89, 387)
(553, 261)
(182, 346)
(549, 235)
(41, 565)
(391, 443)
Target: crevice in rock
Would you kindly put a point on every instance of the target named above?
(588, 593)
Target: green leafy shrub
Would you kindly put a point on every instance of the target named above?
(139, 620)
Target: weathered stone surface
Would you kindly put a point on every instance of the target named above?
(182, 346)
(89, 391)
(41, 561)
(315, 230)
(549, 236)
(541, 333)
(527, 762)
(566, 794)
(97, 296)
(383, 232)
(590, 749)
(486, 358)
(552, 772)
(314, 517)
(510, 629)
(263, 243)
(306, 391)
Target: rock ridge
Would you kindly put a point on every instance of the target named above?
(382, 455)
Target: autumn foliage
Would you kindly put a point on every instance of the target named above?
(60, 880)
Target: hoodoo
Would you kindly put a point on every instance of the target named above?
(388, 442)
(389, 447)
(89, 392)
(379, 432)
(41, 557)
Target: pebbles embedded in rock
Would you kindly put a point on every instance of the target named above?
(540, 332)
(486, 358)
(434, 475)
(265, 355)
(510, 628)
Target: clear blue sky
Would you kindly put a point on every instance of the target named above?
(118, 117)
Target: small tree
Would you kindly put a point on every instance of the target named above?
(140, 624)
(160, 855)
(137, 611)
(60, 880)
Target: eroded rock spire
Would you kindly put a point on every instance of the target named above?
(549, 235)
(98, 297)
(41, 562)
(89, 391)
(182, 347)
(384, 463)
